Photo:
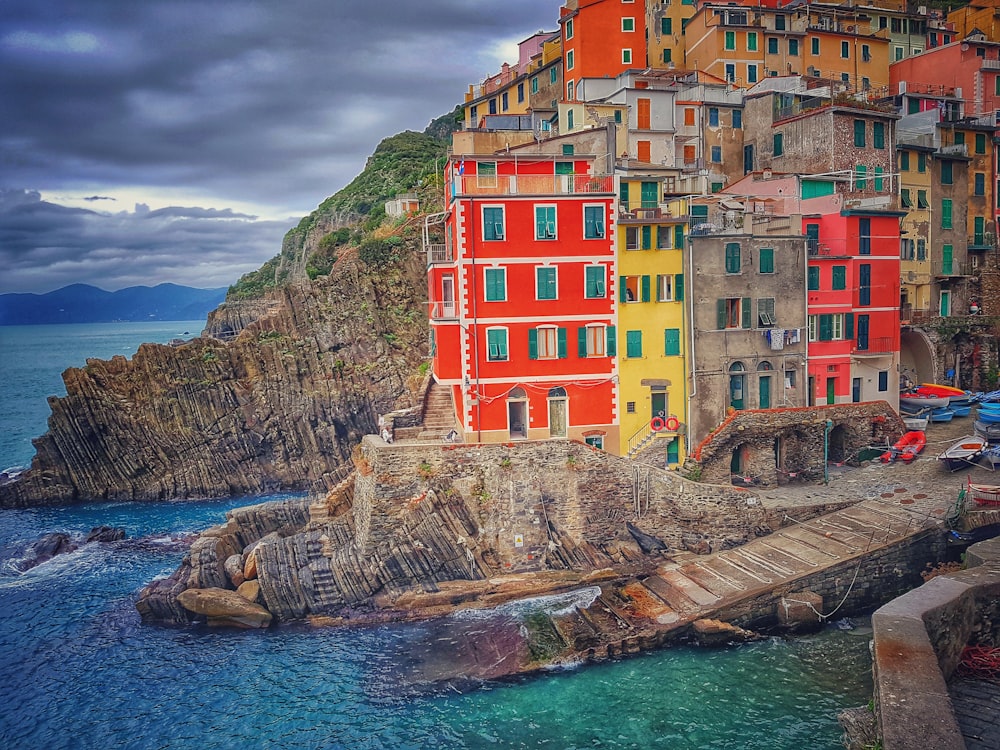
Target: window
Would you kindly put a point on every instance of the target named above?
(593, 222)
(496, 284)
(779, 144)
(594, 441)
(772, 46)
(504, 102)
(845, 50)
(829, 327)
(569, 95)
(737, 119)
(493, 228)
(946, 213)
(671, 342)
(815, 46)
(520, 92)
(730, 42)
(878, 134)
(570, 60)
(628, 24)
(633, 344)
(793, 47)
(766, 261)
(751, 74)
(595, 341)
(667, 57)
(689, 115)
(904, 161)
(670, 288)
(593, 282)
(664, 237)
(859, 133)
(922, 199)
(733, 312)
(947, 177)
(865, 284)
(813, 284)
(979, 184)
(569, 28)
(897, 53)
(547, 342)
(545, 282)
(866, 53)
(779, 22)
(863, 326)
(861, 175)
(980, 143)
(730, 72)
(553, 74)
(840, 277)
(732, 257)
(634, 289)
(569, 117)
(716, 154)
(496, 344)
(879, 181)
(921, 249)
(713, 117)
(864, 236)
(545, 222)
(631, 238)
(752, 41)
(534, 85)
(765, 312)
(626, 57)
(666, 26)
(921, 162)
(904, 198)
(883, 380)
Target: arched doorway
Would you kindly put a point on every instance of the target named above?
(558, 417)
(517, 414)
(739, 462)
(764, 372)
(737, 385)
(836, 450)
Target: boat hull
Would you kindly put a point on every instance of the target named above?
(920, 401)
(963, 453)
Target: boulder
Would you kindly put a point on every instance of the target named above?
(234, 569)
(106, 534)
(224, 607)
(47, 547)
(249, 590)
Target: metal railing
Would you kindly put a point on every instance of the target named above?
(560, 184)
(984, 241)
(875, 345)
(443, 311)
(439, 254)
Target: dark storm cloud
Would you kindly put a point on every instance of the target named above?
(273, 104)
(44, 246)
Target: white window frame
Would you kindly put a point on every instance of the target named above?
(627, 56)
(601, 228)
(668, 279)
(551, 228)
(503, 224)
(555, 269)
(597, 338)
(569, 29)
(503, 271)
(626, 19)
(602, 284)
(506, 338)
(570, 59)
(547, 341)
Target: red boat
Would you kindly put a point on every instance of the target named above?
(906, 448)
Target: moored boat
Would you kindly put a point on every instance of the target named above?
(987, 430)
(960, 410)
(906, 448)
(964, 452)
(922, 400)
(989, 416)
(942, 414)
(985, 494)
(992, 457)
(914, 422)
(947, 391)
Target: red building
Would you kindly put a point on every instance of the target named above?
(852, 280)
(522, 298)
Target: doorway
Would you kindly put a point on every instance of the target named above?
(517, 414)
(558, 418)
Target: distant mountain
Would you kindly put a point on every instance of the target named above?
(81, 303)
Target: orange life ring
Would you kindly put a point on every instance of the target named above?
(656, 424)
(672, 424)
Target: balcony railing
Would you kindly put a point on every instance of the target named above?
(875, 346)
(531, 184)
(984, 241)
(952, 269)
(443, 311)
(439, 254)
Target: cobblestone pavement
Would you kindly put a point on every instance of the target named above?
(925, 476)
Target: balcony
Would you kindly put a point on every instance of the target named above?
(532, 184)
(876, 346)
(815, 248)
(443, 311)
(437, 254)
(948, 270)
(984, 241)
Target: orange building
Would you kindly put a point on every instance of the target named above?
(601, 38)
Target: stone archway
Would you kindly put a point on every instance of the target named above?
(917, 358)
(837, 445)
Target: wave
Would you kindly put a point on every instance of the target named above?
(552, 604)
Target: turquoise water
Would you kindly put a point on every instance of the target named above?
(78, 670)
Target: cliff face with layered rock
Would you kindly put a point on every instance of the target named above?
(302, 376)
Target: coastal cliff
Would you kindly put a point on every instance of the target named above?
(304, 373)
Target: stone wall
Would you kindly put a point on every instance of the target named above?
(802, 435)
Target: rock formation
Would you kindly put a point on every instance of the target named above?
(279, 405)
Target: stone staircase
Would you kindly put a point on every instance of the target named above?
(438, 421)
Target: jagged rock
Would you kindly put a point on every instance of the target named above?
(718, 633)
(860, 728)
(278, 407)
(47, 547)
(208, 555)
(158, 603)
(234, 569)
(106, 534)
(223, 607)
(249, 590)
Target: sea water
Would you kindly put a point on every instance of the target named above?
(79, 670)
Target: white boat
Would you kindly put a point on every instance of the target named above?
(915, 423)
(963, 453)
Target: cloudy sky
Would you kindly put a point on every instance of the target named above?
(146, 141)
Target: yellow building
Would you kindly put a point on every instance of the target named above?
(916, 279)
(652, 230)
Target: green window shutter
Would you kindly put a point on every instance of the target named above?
(859, 133)
(679, 236)
(612, 343)
(947, 258)
(840, 277)
(947, 173)
(813, 278)
(946, 213)
(732, 257)
(672, 342)
(561, 342)
(539, 222)
(849, 326)
(878, 135)
(720, 313)
(767, 260)
(645, 289)
(623, 194)
(633, 344)
(825, 327)
(679, 288)
(861, 175)
(622, 290)
(878, 178)
(745, 313)
(581, 342)
(647, 237)
(666, 26)
(532, 343)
